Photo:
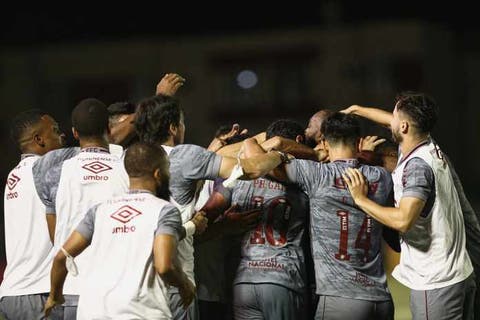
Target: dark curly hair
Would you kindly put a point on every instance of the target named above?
(420, 108)
(154, 117)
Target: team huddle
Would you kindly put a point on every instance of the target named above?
(285, 224)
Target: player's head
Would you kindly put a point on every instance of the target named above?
(34, 131)
(148, 163)
(121, 122)
(388, 151)
(286, 128)
(160, 120)
(341, 129)
(90, 120)
(313, 133)
(415, 114)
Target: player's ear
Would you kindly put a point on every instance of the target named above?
(404, 126)
(37, 138)
(325, 144)
(299, 139)
(172, 130)
(157, 174)
(75, 133)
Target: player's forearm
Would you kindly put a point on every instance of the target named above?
(174, 276)
(289, 146)
(379, 116)
(388, 216)
(230, 150)
(58, 275)
(260, 165)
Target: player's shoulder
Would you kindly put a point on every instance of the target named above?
(55, 157)
(416, 163)
(185, 149)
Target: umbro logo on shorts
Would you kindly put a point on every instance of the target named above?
(125, 214)
(96, 167)
(12, 181)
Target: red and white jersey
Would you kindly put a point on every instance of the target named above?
(27, 243)
(433, 251)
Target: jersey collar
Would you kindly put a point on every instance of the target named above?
(27, 155)
(95, 150)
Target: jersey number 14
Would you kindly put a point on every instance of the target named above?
(361, 242)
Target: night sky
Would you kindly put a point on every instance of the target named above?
(82, 22)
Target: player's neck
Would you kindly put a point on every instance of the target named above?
(169, 142)
(341, 152)
(143, 184)
(410, 142)
(99, 142)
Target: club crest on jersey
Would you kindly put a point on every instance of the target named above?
(96, 167)
(125, 214)
(12, 182)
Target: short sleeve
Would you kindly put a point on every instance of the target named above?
(49, 188)
(87, 225)
(305, 173)
(418, 179)
(196, 162)
(170, 222)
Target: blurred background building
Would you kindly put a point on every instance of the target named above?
(248, 64)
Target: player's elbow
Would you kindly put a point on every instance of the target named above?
(403, 226)
(59, 259)
(164, 269)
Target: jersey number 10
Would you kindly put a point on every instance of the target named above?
(277, 214)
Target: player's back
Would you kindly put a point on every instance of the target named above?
(90, 177)
(346, 243)
(28, 247)
(272, 252)
(121, 281)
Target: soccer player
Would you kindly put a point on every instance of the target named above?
(70, 187)
(346, 243)
(132, 240)
(434, 262)
(160, 121)
(313, 132)
(270, 282)
(28, 247)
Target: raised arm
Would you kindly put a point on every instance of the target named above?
(292, 147)
(232, 150)
(379, 116)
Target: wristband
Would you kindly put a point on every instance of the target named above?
(190, 228)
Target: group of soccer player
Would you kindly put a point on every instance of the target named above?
(285, 224)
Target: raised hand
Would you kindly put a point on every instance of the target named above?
(369, 143)
(169, 84)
